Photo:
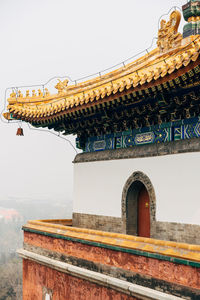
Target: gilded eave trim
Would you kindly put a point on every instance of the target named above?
(162, 69)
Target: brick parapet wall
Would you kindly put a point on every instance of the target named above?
(184, 233)
(110, 224)
(179, 279)
(116, 272)
(178, 232)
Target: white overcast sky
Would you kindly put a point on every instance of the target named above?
(45, 38)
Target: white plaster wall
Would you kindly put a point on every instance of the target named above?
(98, 186)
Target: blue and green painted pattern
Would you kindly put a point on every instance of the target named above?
(167, 132)
(191, 9)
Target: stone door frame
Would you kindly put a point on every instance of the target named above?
(144, 179)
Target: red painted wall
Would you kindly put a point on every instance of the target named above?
(64, 287)
(164, 270)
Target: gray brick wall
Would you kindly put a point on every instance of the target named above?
(184, 233)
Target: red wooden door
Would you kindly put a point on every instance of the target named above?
(143, 213)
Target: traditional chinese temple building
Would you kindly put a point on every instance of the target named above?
(135, 231)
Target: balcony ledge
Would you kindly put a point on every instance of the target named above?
(181, 253)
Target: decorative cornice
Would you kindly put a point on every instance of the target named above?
(149, 150)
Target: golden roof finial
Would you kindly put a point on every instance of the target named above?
(13, 95)
(39, 92)
(47, 92)
(61, 86)
(168, 37)
(20, 95)
(33, 93)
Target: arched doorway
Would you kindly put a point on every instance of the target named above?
(138, 205)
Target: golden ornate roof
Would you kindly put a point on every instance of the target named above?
(173, 53)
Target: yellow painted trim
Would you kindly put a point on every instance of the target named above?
(65, 222)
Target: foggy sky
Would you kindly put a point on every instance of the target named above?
(45, 38)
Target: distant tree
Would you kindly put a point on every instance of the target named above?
(11, 280)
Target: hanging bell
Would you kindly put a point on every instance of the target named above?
(20, 131)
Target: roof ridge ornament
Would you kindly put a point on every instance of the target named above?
(62, 86)
(168, 35)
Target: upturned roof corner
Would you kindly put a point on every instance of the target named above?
(174, 56)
